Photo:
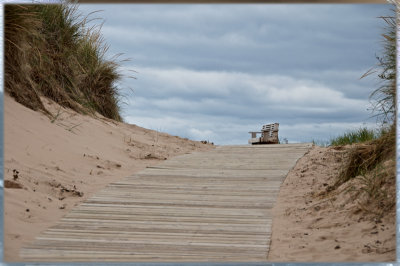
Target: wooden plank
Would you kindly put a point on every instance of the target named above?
(211, 206)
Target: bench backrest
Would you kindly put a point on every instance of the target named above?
(270, 129)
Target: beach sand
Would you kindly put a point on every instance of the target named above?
(308, 227)
(62, 161)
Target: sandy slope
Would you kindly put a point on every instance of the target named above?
(60, 163)
(309, 227)
(63, 161)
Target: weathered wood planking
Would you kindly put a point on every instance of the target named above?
(211, 206)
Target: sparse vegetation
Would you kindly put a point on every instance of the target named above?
(365, 157)
(321, 143)
(55, 117)
(371, 156)
(356, 136)
(384, 97)
(378, 189)
(50, 51)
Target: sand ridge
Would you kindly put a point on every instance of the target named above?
(308, 227)
(61, 161)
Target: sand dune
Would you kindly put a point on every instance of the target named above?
(310, 227)
(52, 164)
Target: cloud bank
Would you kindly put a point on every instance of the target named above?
(215, 72)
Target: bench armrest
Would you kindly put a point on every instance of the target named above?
(254, 134)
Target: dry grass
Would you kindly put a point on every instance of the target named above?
(21, 27)
(365, 157)
(49, 51)
(371, 165)
(378, 189)
(371, 168)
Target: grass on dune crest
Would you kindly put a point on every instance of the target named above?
(356, 136)
(373, 166)
(366, 156)
(50, 51)
(368, 171)
(370, 160)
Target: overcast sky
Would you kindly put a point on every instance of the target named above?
(215, 72)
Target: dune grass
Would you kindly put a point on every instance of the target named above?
(378, 145)
(365, 157)
(371, 158)
(384, 97)
(50, 51)
(356, 136)
(378, 190)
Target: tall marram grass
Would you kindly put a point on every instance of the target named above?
(384, 97)
(374, 159)
(365, 157)
(50, 51)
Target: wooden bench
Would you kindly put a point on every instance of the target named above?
(269, 135)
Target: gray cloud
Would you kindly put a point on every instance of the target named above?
(207, 102)
(207, 89)
(218, 71)
(293, 37)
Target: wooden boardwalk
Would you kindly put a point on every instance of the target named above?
(210, 206)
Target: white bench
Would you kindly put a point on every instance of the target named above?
(269, 135)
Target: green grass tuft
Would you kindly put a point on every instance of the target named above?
(356, 136)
